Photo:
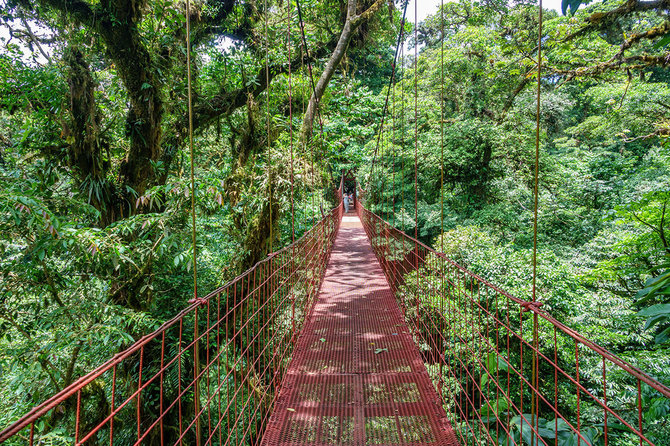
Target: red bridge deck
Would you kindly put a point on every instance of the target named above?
(357, 378)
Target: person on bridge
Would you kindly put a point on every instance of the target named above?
(346, 203)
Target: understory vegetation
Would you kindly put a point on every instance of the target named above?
(95, 190)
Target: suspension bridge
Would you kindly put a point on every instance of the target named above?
(356, 334)
(374, 339)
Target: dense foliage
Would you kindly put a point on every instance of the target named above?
(95, 197)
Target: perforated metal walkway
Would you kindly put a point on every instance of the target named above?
(357, 378)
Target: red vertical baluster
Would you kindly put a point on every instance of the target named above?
(639, 409)
(139, 397)
(605, 400)
(77, 417)
(207, 368)
(579, 423)
(112, 404)
(196, 379)
(160, 396)
(293, 296)
(509, 355)
(521, 366)
(555, 386)
(229, 317)
(218, 364)
(497, 352)
(180, 358)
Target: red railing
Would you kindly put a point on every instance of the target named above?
(210, 375)
(507, 371)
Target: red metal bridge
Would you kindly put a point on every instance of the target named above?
(374, 339)
(358, 334)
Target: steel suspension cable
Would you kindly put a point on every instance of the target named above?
(416, 153)
(391, 80)
(381, 189)
(385, 110)
(196, 358)
(190, 144)
(442, 127)
(290, 114)
(402, 138)
(416, 128)
(537, 150)
(535, 372)
(442, 287)
(316, 100)
(267, 120)
(393, 144)
(303, 93)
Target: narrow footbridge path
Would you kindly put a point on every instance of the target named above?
(357, 377)
(326, 342)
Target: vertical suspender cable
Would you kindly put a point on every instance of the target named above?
(290, 132)
(402, 138)
(537, 152)
(303, 93)
(442, 128)
(196, 359)
(393, 146)
(391, 85)
(190, 144)
(441, 172)
(381, 129)
(416, 155)
(317, 102)
(290, 114)
(535, 402)
(381, 191)
(391, 80)
(267, 119)
(416, 131)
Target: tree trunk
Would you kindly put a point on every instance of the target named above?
(351, 24)
(86, 152)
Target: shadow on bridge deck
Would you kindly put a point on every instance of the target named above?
(357, 378)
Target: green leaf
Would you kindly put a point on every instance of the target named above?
(663, 42)
(494, 407)
(663, 336)
(655, 310)
(379, 350)
(495, 362)
(572, 4)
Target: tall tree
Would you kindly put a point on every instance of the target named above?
(354, 19)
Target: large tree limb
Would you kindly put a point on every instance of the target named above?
(638, 62)
(116, 22)
(206, 110)
(657, 31)
(601, 20)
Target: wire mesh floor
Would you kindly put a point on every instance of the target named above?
(357, 378)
